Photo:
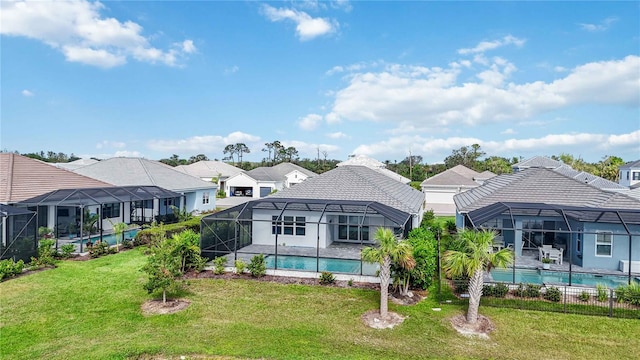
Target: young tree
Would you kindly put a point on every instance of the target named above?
(390, 250)
(162, 268)
(118, 230)
(474, 260)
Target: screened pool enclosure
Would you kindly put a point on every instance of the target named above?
(301, 234)
(18, 233)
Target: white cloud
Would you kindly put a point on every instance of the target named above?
(338, 135)
(84, 35)
(434, 97)
(27, 93)
(110, 144)
(310, 122)
(437, 149)
(491, 45)
(310, 150)
(342, 4)
(602, 26)
(206, 143)
(508, 132)
(307, 27)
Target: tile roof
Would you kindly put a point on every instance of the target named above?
(22, 178)
(357, 183)
(277, 172)
(123, 171)
(209, 169)
(630, 165)
(457, 176)
(539, 185)
(538, 162)
(72, 165)
(363, 160)
(544, 162)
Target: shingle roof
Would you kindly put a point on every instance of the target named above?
(357, 183)
(458, 175)
(538, 162)
(631, 164)
(363, 160)
(123, 171)
(544, 162)
(23, 178)
(277, 172)
(72, 165)
(209, 169)
(538, 185)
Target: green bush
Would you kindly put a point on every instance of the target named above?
(553, 294)
(584, 296)
(127, 243)
(100, 248)
(326, 278)
(157, 232)
(257, 266)
(240, 266)
(67, 250)
(532, 290)
(498, 290)
(602, 292)
(629, 294)
(46, 254)
(451, 227)
(218, 265)
(10, 268)
(425, 255)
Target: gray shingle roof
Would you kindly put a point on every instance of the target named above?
(209, 169)
(630, 165)
(458, 175)
(357, 183)
(567, 170)
(538, 185)
(538, 162)
(363, 160)
(277, 172)
(122, 171)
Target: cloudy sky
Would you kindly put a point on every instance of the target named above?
(384, 79)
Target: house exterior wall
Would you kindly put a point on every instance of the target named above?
(294, 177)
(629, 177)
(193, 200)
(262, 229)
(242, 180)
(620, 246)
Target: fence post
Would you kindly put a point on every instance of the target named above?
(610, 302)
(565, 300)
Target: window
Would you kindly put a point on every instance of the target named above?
(288, 225)
(604, 244)
(110, 211)
(627, 174)
(579, 242)
(276, 226)
(205, 197)
(300, 225)
(636, 175)
(348, 228)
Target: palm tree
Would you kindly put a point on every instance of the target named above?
(390, 250)
(118, 230)
(474, 260)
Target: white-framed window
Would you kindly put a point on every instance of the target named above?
(604, 244)
(301, 222)
(205, 197)
(288, 225)
(276, 226)
(636, 175)
(349, 229)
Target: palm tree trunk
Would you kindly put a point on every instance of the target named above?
(475, 292)
(164, 296)
(385, 273)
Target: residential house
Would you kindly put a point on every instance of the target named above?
(211, 170)
(262, 181)
(533, 207)
(198, 195)
(363, 160)
(630, 175)
(440, 188)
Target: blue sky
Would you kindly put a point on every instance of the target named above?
(152, 78)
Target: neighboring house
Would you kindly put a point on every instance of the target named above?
(262, 181)
(440, 188)
(73, 165)
(630, 174)
(543, 162)
(540, 206)
(341, 206)
(363, 160)
(199, 195)
(210, 170)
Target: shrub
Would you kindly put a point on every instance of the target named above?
(553, 294)
(218, 265)
(602, 292)
(532, 290)
(451, 227)
(67, 250)
(497, 290)
(257, 266)
(127, 243)
(350, 282)
(240, 266)
(98, 249)
(46, 254)
(326, 278)
(629, 294)
(584, 296)
(425, 255)
(10, 268)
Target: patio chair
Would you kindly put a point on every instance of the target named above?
(556, 255)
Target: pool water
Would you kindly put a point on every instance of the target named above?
(557, 277)
(110, 238)
(343, 266)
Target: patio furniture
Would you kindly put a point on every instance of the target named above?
(543, 251)
(498, 243)
(555, 255)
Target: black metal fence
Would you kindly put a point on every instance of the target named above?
(619, 302)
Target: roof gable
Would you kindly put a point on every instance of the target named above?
(278, 172)
(209, 169)
(23, 178)
(630, 165)
(363, 160)
(458, 175)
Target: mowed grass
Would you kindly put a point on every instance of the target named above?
(91, 310)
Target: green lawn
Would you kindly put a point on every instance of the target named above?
(91, 310)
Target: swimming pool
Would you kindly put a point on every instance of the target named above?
(110, 238)
(533, 276)
(343, 266)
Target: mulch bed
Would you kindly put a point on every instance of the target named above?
(481, 328)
